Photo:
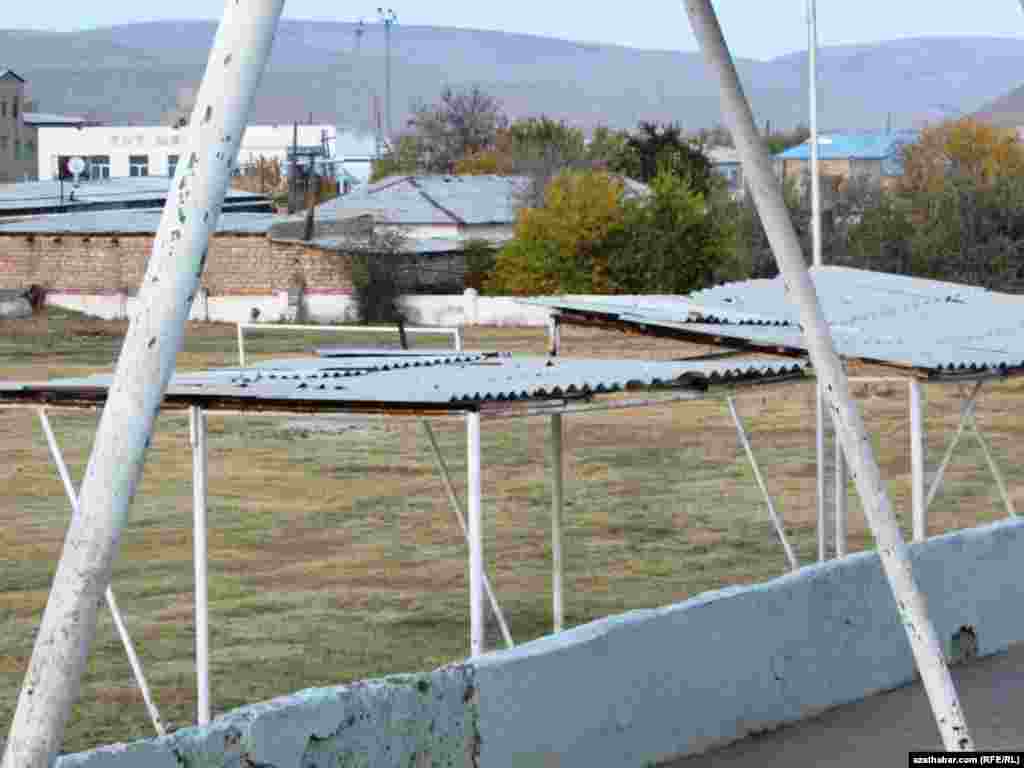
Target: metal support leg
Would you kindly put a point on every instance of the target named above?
(200, 554)
(241, 347)
(456, 503)
(476, 536)
(819, 452)
(776, 520)
(966, 416)
(767, 194)
(917, 460)
(554, 336)
(557, 516)
(122, 629)
(994, 468)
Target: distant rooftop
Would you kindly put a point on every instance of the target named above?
(127, 222)
(43, 197)
(40, 119)
(857, 146)
(10, 73)
(723, 156)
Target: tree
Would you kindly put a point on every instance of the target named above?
(965, 148)
(463, 122)
(656, 148)
(562, 247)
(675, 241)
(403, 158)
(376, 268)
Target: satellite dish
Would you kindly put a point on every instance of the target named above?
(77, 166)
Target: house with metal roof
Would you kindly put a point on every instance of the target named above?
(875, 158)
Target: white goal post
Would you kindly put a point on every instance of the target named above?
(455, 333)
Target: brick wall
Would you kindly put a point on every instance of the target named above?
(238, 265)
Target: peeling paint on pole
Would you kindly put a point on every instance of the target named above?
(767, 194)
(237, 60)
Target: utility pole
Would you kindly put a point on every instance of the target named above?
(388, 17)
(293, 169)
(892, 551)
(156, 335)
(819, 410)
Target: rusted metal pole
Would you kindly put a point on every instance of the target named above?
(155, 336)
(767, 194)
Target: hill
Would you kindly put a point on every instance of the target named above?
(131, 73)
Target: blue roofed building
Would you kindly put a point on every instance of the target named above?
(874, 158)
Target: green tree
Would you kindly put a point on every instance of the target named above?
(463, 122)
(674, 241)
(403, 158)
(655, 148)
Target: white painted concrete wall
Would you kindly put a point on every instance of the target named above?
(461, 309)
(635, 689)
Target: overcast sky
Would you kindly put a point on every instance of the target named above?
(755, 28)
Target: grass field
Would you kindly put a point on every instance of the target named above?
(334, 555)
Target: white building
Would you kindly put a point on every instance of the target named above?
(126, 151)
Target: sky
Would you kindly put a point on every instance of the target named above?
(758, 29)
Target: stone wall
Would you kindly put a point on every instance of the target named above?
(108, 264)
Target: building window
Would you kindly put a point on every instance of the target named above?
(3, 109)
(99, 167)
(30, 149)
(172, 165)
(17, 149)
(14, 107)
(4, 142)
(139, 165)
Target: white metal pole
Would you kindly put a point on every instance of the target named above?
(453, 498)
(119, 623)
(966, 414)
(200, 562)
(476, 536)
(819, 451)
(241, 345)
(812, 82)
(458, 339)
(776, 520)
(557, 516)
(52, 683)
(554, 335)
(917, 459)
(892, 550)
(994, 468)
(841, 502)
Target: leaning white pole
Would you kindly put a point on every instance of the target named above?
(122, 629)
(200, 562)
(842, 501)
(892, 550)
(918, 503)
(557, 516)
(794, 564)
(453, 499)
(52, 683)
(476, 536)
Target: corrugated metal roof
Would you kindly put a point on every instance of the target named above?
(45, 118)
(129, 222)
(438, 200)
(925, 324)
(140, 187)
(857, 146)
(446, 382)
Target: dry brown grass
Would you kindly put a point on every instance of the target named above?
(336, 557)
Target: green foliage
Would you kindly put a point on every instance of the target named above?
(463, 122)
(655, 148)
(587, 238)
(376, 269)
(480, 257)
(403, 158)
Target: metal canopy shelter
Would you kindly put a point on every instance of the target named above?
(473, 386)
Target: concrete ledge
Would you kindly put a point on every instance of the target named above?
(406, 721)
(651, 685)
(635, 689)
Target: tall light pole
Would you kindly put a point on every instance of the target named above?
(819, 420)
(388, 17)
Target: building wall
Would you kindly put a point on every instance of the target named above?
(18, 142)
(157, 143)
(238, 265)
